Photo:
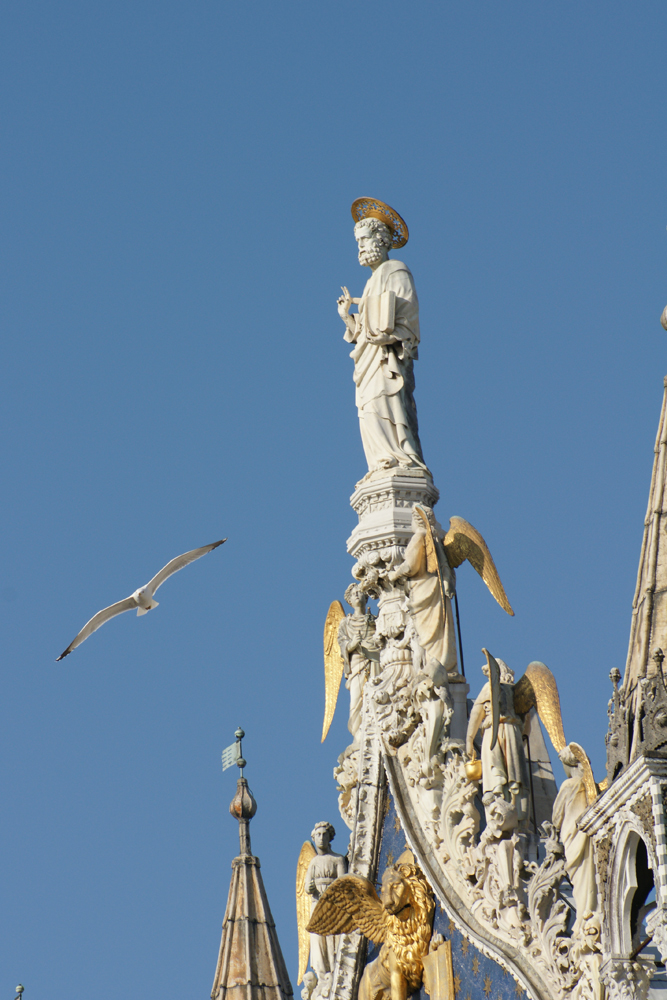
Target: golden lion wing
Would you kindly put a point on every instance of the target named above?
(589, 780)
(462, 542)
(350, 904)
(303, 906)
(333, 664)
(545, 698)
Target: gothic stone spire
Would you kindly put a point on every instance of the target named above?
(250, 963)
(638, 709)
(648, 630)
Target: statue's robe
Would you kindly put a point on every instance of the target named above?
(383, 371)
(571, 802)
(434, 623)
(323, 870)
(356, 664)
(504, 768)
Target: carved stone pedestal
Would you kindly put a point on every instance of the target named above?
(384, 502)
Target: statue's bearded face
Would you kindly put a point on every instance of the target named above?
(395, 892)
(372, 248)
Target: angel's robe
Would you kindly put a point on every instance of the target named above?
(357, 628)
(571, 802)
(504, 768)
(383, 370)
(322, 871)
(434, 623)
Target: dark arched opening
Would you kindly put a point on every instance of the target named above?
(643, 900)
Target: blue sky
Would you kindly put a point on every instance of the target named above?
(177, 181)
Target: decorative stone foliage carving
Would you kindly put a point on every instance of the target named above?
(625, 979)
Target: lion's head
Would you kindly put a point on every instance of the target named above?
(408, 897)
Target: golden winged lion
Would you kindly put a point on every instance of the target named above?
(401, 920)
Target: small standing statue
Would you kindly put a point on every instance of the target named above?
(385, 334)
(349, 647)
(430, 584)
(504, 766)
(357, 644)
(316, 869)
(428, 567)
(573, 799)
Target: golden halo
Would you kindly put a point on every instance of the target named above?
(372, 208)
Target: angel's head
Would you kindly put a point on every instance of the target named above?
(417, 518)
(321, 835)
(568, 757)
(506, 675)
(355, 597)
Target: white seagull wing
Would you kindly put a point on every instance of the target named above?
(178, 563)
(99, 619)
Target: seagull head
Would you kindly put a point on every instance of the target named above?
(143, 598)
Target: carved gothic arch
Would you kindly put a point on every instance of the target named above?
(631, 876)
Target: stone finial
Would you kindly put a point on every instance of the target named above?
(243, 805)
(250, 961)
(615, 676)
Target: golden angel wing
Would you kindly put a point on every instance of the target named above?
(538, 688)
(350, 904)
(333, 664)
(461, 542)
(494, 685)
(589, 780)
(303, 906)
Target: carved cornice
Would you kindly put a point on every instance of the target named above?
(384, 504)
(622, 792)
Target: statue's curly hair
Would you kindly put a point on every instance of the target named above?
(377, 226)
(324, 826)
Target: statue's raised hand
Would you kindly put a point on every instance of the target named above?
(344, 303)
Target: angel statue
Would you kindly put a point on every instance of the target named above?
(500, 709)
(317, 868)
(430, 560)
(575, 795)
(401, 920)
(385, 334)
(349, 647)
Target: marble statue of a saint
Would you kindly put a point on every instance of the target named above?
(385, 334)
(504, 767)
(324, 869)
(356, 640)
(571, 802)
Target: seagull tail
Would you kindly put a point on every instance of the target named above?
(144, 611)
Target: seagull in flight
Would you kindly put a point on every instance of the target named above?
(141, 599)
